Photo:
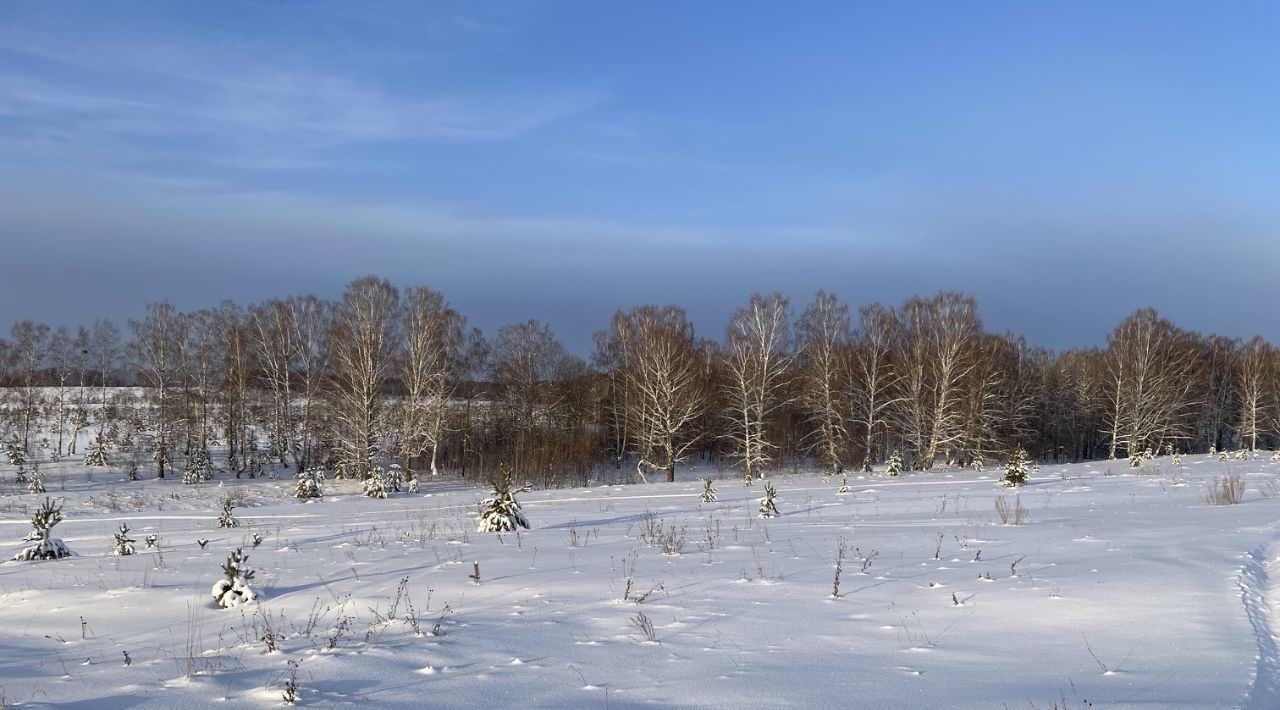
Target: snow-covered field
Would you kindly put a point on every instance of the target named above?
(1121, 588)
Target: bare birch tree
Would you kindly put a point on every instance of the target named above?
(204, 353)
(234, 344)
(29, 340)
(310, 320)
(757, 354)
(875, 383)
(155, 345)
(823, 362)
(361, 359)
(955, 334)
(104, 348)
(62, 360)
(1257, 372)
(1153, 377)
(273, 331)
(666, 374)
(432, 336)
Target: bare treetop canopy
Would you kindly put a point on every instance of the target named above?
(394, 375)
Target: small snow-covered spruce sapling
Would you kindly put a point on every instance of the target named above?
(894, 464)
(202, 464)
(844, 487)
(199, 468)
(309, 484)
(394, 478)
(501, 511)
(1015, 471)
(45, 547)
(708, 491)
(375, 484)
(36, 484)
(234, 590)
(227, 519)
(124, 543)
(96, 456)
(15, 454)
(768, 506)
(1135, 461)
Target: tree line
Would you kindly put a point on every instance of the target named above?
(388, 374)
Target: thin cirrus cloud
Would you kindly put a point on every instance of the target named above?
(224, 107)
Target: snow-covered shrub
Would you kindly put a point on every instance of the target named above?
(1242, 455)
(976, 464)
(36, 484)
(375, 484)
(708, 492)
(768, 506)
(1222, 456)
(96, 455)
(1135, 460)
(844, 487)
(227, 520)
(501, 511)
(124, 544)
(234, 590)
(45, 547)
(1015, 471)
(1177, 458)
(1148, 454)
(1275, 456)
(894, 464)
(309, 484)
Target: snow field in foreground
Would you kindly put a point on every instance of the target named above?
(1121, 587)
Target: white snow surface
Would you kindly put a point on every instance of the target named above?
(1131, 592)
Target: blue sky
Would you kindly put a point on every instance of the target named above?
(1064, 163)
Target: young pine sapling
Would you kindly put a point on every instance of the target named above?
(501, 511)
(46, 547)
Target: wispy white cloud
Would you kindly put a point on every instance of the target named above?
(244, 106)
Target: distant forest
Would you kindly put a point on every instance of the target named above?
(395, 375)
